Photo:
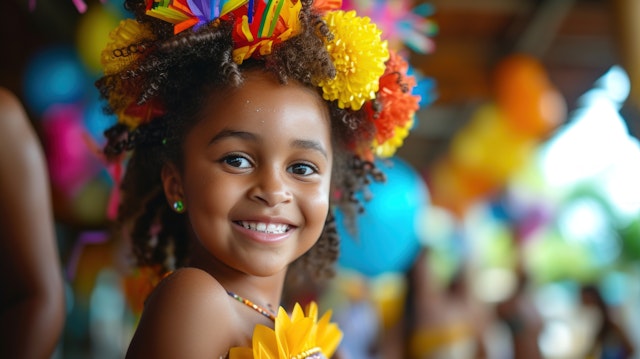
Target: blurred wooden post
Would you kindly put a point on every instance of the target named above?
(626, 20)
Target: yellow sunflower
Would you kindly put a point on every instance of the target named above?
(359, 55)
(297, 337)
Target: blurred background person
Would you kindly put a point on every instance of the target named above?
(523, 320)
(610, 340)
(448, 322)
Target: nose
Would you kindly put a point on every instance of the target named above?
(270, 188)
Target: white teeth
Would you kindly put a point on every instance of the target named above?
(267, 228)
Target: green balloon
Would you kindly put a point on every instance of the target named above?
(630, 238)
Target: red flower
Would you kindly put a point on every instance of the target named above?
(394, 105)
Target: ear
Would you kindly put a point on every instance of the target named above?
(172, 183)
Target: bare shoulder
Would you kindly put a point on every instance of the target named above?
(8, 99)
(12, 112)
(20, 147)
(187, 316)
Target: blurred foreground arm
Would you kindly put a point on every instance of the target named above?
(31, 286)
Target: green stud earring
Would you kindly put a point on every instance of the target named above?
(178, 206)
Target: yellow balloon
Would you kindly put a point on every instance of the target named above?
(92, 35)
(489, 145)
(388, 292)
(89, 206)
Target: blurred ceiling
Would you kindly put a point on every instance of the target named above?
(572, 38)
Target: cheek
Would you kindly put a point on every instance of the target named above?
(316, 207)
(208, 198)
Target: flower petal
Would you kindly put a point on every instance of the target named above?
(297, 335)
(358, 54)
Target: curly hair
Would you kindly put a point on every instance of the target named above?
(175, 72)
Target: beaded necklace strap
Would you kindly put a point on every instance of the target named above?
(267, 313)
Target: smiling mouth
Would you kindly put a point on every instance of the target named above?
(271, 228)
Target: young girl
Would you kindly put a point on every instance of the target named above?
(244, 124)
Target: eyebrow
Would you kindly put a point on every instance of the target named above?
(303, 144)
(308, 144)
(232, 133)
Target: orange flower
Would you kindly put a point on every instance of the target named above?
(397, 106)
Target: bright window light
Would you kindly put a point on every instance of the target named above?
(596, 146)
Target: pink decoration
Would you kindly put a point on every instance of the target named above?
(537, 216)
(400, 24)
(71, 162)
(79, 4)
(115, 171)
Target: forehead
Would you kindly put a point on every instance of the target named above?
(258, 84)
(262, 102)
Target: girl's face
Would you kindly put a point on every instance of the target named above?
(256, 174)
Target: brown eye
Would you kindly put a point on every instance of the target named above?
(237, 161)
(302, 169)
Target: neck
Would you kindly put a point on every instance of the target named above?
(263, 290)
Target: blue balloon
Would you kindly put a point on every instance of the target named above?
(96, 121)
(386, 238)
(55, 75)
(426, 88)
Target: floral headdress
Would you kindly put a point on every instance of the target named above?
(369, 77)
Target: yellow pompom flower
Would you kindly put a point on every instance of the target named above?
(359, 55)
(297, 337)
(125, 45)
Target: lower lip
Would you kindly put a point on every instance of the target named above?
(263, 237)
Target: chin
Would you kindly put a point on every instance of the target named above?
(261, 269)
